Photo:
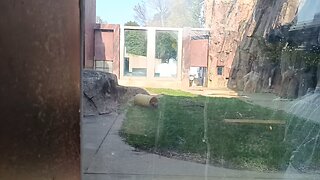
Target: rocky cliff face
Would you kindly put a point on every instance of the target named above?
(254, 63)
(228, 21)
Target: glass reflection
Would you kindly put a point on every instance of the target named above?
(166, 54)
(135, 60)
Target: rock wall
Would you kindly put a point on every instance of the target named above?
(228, 21)
(253, 65)
(239, 42)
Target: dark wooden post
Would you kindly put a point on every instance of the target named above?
(40, 89)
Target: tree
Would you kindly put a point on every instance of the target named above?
(173, 13)
(141, 13)
(166, 46)
(162, 9)
(99, 20)
(135, 40)
(197, 12)
(180, 15)
(158, 9)
(131, 23)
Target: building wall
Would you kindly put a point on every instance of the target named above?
(136, 61)
(152, 63)
(107, 46)
(90, 21)
(40, 89)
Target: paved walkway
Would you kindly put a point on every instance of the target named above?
(106, 157)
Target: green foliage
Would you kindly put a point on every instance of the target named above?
(312, 59)
(136, 42)
(309, 58)
(272, 51)
(170, 92)
(131, 23)
(166, 45)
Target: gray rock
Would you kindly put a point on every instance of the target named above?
(310, 91)
(293, 88)
(102, 94)
(317, 90)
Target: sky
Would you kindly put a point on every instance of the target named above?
(121, 11)
(116, 11)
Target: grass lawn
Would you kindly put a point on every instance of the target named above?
(170, 92)
(192, 128)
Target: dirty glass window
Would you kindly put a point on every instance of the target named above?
(243, 103)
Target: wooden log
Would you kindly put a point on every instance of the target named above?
(145, 100)
(254, 121)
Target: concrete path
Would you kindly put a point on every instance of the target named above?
(106, 157)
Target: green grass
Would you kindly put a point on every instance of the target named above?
(178, 124)
(170, 92)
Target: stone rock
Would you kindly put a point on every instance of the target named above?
(310, 91)
(239, 33)
(239, 41)
(293, 88)
(306, 82)
(251, 82)
(318, 76)
(99, 92)
(286, 78)
(227, 20)
(102, 93)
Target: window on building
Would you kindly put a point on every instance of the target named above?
(220, 70)
(136, 45)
